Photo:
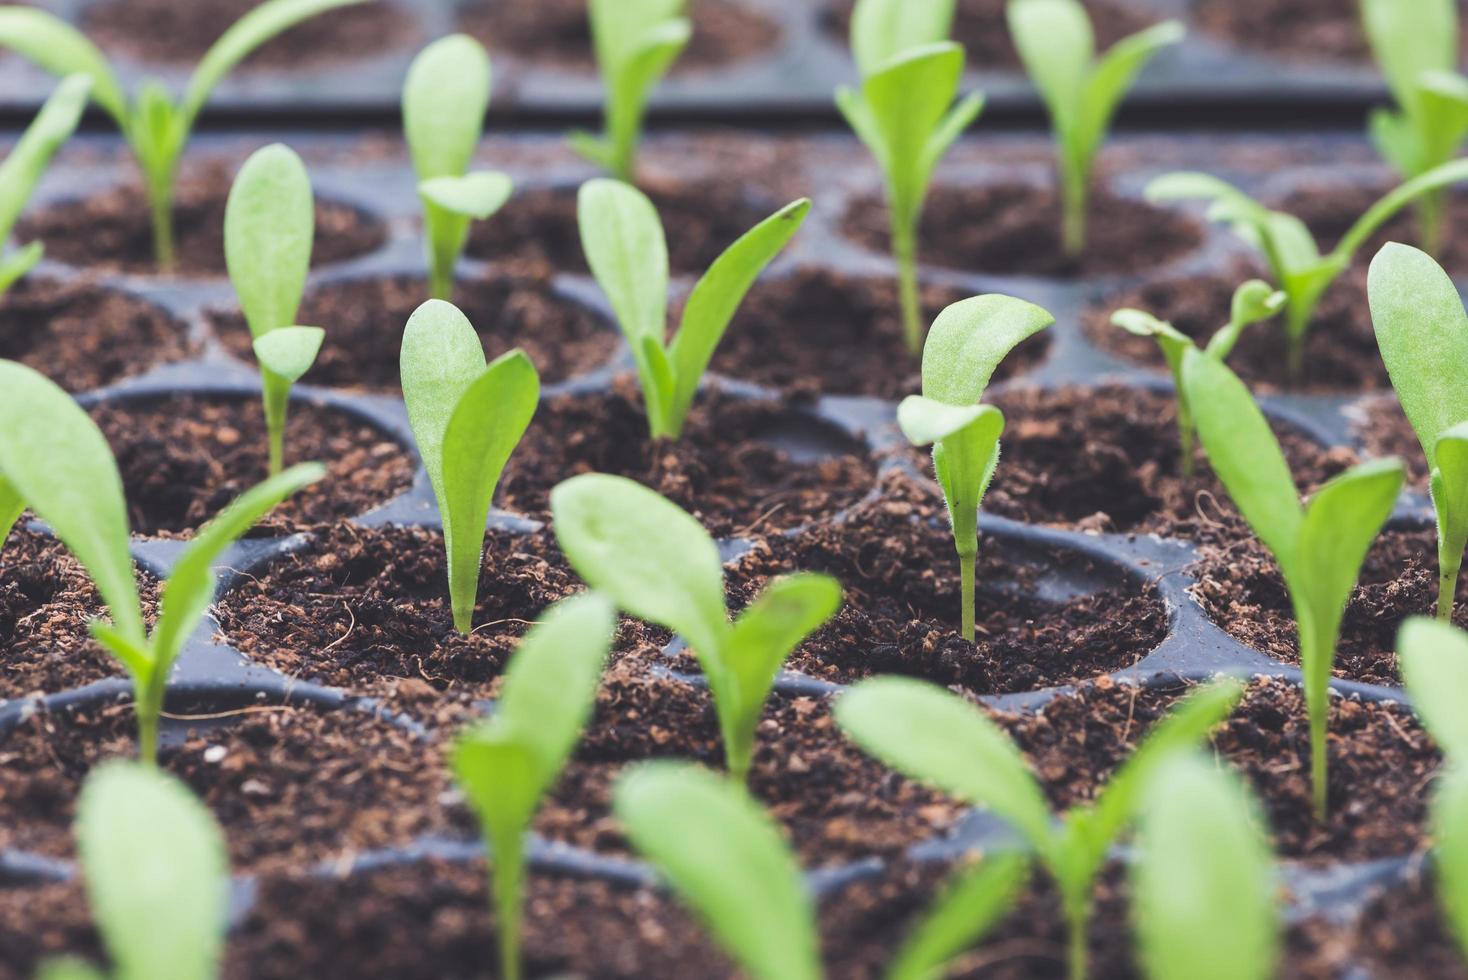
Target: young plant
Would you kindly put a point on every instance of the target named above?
(57, 461)
(269, 224)
(930, 734)
(1294, 258)
(905, 114)
(1319, 547)
(1253, 302)
(656, 562)
(1422, 331)
(444, 101)
(1081, 91)
(467, 418)
(507, 763)
(965, 346)
(157, 876)
(155, 126)
(636, 42)
(624, 244)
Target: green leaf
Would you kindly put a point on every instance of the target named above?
(636, 42)
(445, 97)
(881, 30)
(27, 161)
(969, 339)
(1111, 79)
(925, 421)
(968, 907)
(1450, 855)
(1383, 210)
(1409, 39)
(1057, 46)
(625, 248)
(61, 49)
(728, 861)
(1434, 665)
(269, 226)
(1253, 302)
(289, 352)
(478, 195)
(1450, 498)
(15, 264)
(69, 969)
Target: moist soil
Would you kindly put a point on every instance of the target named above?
(741, 466)
(1383, 430)
(510, 307)
(1241, 589)
(1329, 211)
(900, 615)
(1402, 934)
(183, 458)
(110, 229)
(1014, 229)
(85, 336)
(1307, 30)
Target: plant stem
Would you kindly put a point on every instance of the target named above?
(508, 875)
(148, 707)
(1185, 439)
(160, 196)
(1430, 221)
(1075, 923)
(966, 586)
(1447, 590)
(904, 250)
(1319, 787)
(1073, 214)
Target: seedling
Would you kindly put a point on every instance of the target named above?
(1319, 547)
(964, 348)
(905, 114)
(507, 764)
(1294, 258)
(636, 43)
(59, 463)
(444, 101)
(157, 876)
(155, 126)
(656, 562)
(1423, 335)
(269, 224)
(1203, 889)
(1081, 91)
(467, 418)
(1253, 302)
(927, 733)
(624, 244)
(971, 904)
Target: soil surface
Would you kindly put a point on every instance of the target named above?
(1014, 229)
(731, 469)
(1308, 30)
(1383, 430)
(1331, 209)
(184, 458)
(511, 307)
(85, 336)
(1402, 935)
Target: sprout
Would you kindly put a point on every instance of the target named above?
(1423, 335)
(155, 126)
(655, 561)
(1253, 302)
(1319, 547)
(507, 764)
(624, 244)
(636, 43)
(269, 223)
(1203, 889)
(1450, 852)
(1294, 258)
(905, 114)
(967, 342)
(444, 100)
(968, 907)
(927, 733)
(467, 418)
(1081, 92)
(57, 461)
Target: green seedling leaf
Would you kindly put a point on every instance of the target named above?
(289, 351)
(970, 905)
(881, 30)
(12, 505)
(1434, 665)
(467, 419)
(1450, 855)
(477, 195)
(727, 860)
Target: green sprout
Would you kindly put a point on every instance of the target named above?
(57, 461)
(155, 126)
(1422, 331)
(1416, 45)
(444, 101)
(656, 562)
(1253, 302)
(930, 734)
(636, 43)
(1203, 888)
(269, 224)
(628, 253)
(508, 763)
(905, 114)
(467, 418)
(969, 905)
(1319, 547)
(1295, 262)
(1081, 91)
(965, 346)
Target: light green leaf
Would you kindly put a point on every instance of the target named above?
(11, 507)
(624, 244)
(1434, 665)
(1057, 46)
(925, 421)
(1385, 209)
(1113, 76)
(69, 969)
(445, 97)
(62, 50)
(636, 42)
(970, 338)
(27, 161)
(1409, 39)
(881, 30)
(907, 101)
(967, 908)
(289, 352)
(269, 226)
(1450, 855)
(17, 263)
(1253, 302)
(441, 357)
(478, 195)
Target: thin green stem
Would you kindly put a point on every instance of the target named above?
(1185, 441)
(1430, 221)
(508, 876)
(148, 707)
(1075, 921)
(1297, 326)
(1319, 785)
(966, 587)
(904, 250)
(1073, 214)
(1447, 590)
(160, 195)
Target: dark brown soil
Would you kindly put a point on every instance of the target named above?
(1331, 209)
(1402, 935)
(336, 36)
(1309, 30)
(110, 230)
(1014, 229)
(894, 558)
(726, 469)
(1385, 431)
(1242, 590)
(84, 336)
(364, 321)
(184, 458)
(822, 332)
